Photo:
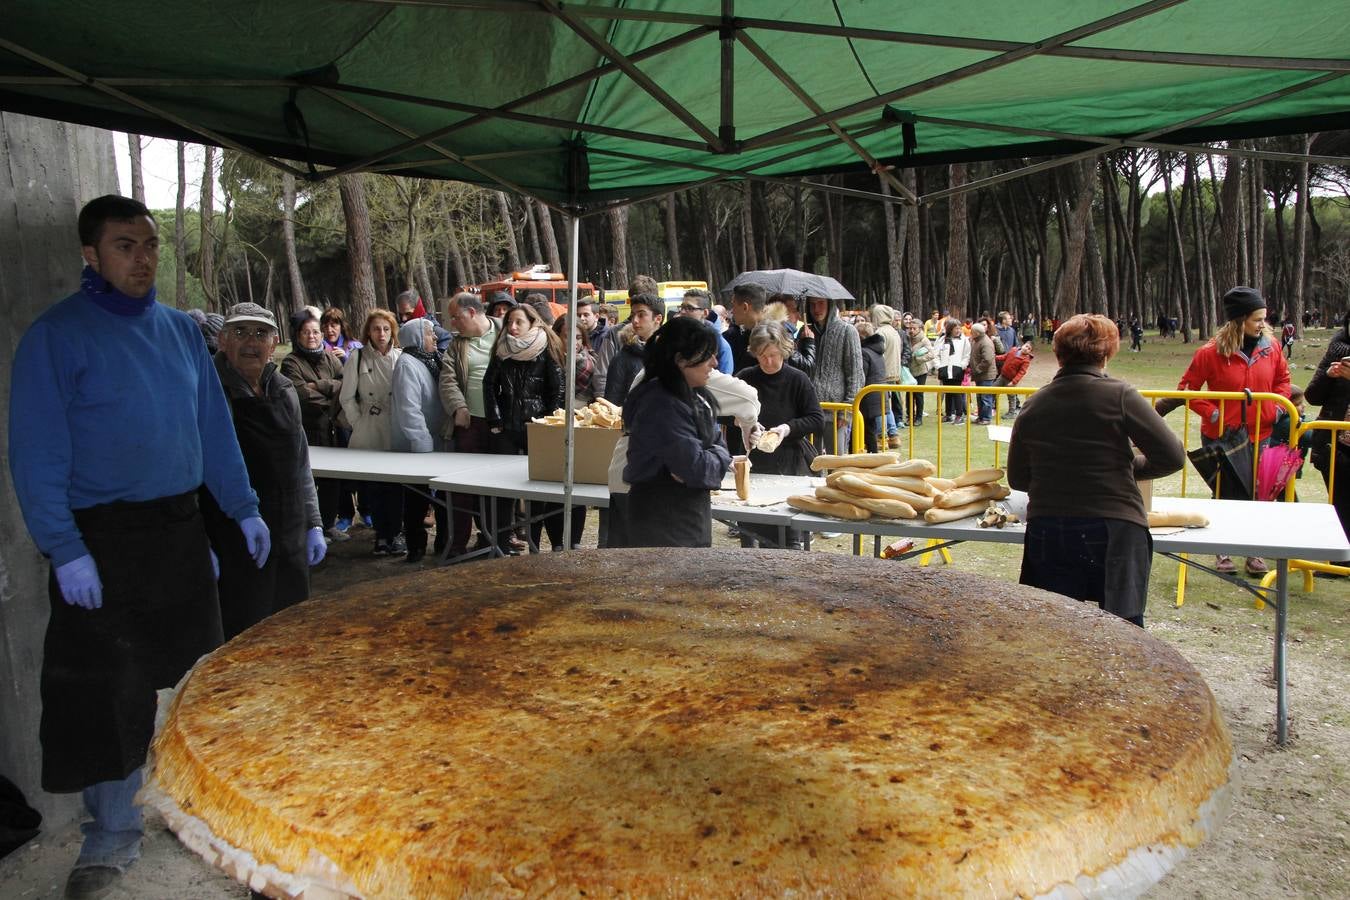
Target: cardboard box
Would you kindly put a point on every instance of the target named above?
(591, 453)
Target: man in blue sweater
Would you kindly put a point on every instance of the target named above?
(116, 418)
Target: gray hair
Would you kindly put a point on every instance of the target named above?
(767, 334)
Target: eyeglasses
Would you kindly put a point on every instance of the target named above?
(689, 307)
(260, 333)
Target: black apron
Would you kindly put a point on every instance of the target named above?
(274, 451)
(101, 667)
(662, 512)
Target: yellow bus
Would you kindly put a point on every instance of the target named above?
(672, 292)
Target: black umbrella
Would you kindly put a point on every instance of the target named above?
(791, 281)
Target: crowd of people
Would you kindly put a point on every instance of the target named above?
(174, 525)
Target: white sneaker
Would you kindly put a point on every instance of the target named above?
(830, 535)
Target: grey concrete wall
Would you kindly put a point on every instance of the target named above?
(48, 170)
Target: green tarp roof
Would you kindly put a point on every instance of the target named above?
(588, 103)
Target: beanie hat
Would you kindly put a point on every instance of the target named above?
(1241, 302)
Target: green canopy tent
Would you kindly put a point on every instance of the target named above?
(587, 105)
(580, 105)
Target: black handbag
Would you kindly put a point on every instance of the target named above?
(1226, 465)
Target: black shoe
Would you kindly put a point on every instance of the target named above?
(91, 882)
(398, 547)
(415, 556)
(381, 548)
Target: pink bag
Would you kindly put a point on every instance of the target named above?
(1278, 463)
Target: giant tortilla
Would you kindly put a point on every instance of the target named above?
(690, 723)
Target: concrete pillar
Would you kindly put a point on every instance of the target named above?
(48, 170)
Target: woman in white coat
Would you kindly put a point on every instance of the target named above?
(952, 357)
(367, 401)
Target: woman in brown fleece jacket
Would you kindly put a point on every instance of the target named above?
(1079, 447)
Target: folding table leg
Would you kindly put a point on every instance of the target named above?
(1281, 629)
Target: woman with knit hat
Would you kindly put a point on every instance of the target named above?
(1243, 355)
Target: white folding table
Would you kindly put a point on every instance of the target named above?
(1278, 531)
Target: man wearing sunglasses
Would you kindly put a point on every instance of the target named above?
(116, 419)
(697, 304)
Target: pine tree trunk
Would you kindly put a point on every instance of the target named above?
(532, 232)
(895, 251)
(1079, 221)
(357, 216)
(288, 240)
(618, 231)
(799, 226)
(548, 238)
(137, 169)
(958, 244)
(512, 249)
(180, 232)
(462, 276)
(207, 251)
(913, 300)
(1174, 229)
(1229, 208)
(1301, 203)
(673, 239)
(1256, 233)
(423, 278)
(748, 249)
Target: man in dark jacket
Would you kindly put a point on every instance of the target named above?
(747, 310)
(874, 372)
(632, 338)
(266, 412)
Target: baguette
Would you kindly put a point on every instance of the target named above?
(978, 476)
(971, 493)
(917, 468)
(941, 484)
(828, 508)
(1175, 519)
(937, 516)
(741, 466)
(866, 487)
(860, 460)
(882, 508)
(920, 502)
(903, 482)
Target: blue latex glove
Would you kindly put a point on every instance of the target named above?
(80, 584)
(215, 564)
(257, 538)
(315, 546)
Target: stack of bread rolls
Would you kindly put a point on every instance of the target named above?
(879, 485)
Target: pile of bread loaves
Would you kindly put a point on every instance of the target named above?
(600, 414)
(878, 485)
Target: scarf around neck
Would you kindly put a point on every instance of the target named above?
(523, 348)
(98, 289)
(313, 357)
(430, 358)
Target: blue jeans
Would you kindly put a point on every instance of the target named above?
(986, 401)
(113, 838)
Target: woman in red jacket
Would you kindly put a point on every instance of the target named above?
(1243, 355)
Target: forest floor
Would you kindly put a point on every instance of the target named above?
(1288, 833)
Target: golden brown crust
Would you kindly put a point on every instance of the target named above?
(552, 725)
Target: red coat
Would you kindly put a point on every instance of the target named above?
(1267, 372)
(1015, 365)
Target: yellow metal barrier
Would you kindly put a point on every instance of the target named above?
(1306, 566)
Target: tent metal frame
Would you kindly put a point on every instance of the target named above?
(730, 30)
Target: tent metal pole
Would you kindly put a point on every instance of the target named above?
(1106, 148)
(978, 68)
(482, 115)
(570, 392)
(809, 102)
(128, 99)
(640, 78)
(1271, 155)
(726, 131)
